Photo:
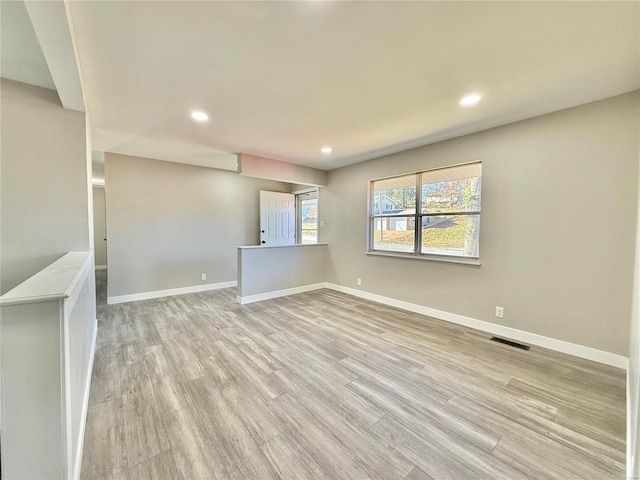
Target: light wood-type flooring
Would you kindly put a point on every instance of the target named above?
(323, 385)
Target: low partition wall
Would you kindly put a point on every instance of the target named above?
(270, 272)
(47, 339)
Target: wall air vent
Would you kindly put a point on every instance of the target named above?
(509, 342)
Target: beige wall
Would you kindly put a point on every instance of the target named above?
(99, 226)
(557, 230)
(44, 195)
(633, 376)
(168, 223)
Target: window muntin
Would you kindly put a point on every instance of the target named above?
(443, 221)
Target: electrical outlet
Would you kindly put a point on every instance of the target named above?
(359, 281)
(203, 276)
(500, 312)
(321, 223)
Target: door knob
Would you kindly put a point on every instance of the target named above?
(263, 241)
(262, 231)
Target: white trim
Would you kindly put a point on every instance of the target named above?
(291, 245)
(580, 351)
(134, 297)
(101, 267)
(279, 293)
(426, 257)
(306, 190)
(65, 392)
(629, 450)
(53, 26)
(74, 293)
(85, 407)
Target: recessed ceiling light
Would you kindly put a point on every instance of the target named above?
(470, 100)
(326, 150)
(199, 116)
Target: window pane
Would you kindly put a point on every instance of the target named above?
(394, 196)
(456, 235)
(309, 236)
(454, 189)
(309, 218)
(394, 234)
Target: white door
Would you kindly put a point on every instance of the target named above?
(277, 218)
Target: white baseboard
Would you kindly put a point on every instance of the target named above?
(279, 293)
(170, 292)
(85, 407)
(580, 351)
(101, 267)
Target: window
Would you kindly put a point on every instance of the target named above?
(307, 217)
(442, 221)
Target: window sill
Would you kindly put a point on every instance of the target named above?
(462, 261)
(290, 245)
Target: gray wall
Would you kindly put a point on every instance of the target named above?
(557, 230)
(44, 194)
(170, 222)
(268, 269)
(99, 226)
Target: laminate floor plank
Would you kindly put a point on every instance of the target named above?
(291, 460)
(427, 419)
(608, 429)
(505, 421)
(407, 387)
(306, 362)
(566, 397)
(325, 447)
(218, 420)
(255, 415)
(385, 461)
(443, 459)
(104, 444)
(105, 378)
(360, 409)
(555, 457)
(418, 474)
(158, 467)
(323, 385)
(260, 356)
(196, 454)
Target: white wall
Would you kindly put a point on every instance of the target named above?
(168, 223)
(557, 231)
(44, 195)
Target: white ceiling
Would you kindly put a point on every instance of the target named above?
(282, 79)
(21, 57)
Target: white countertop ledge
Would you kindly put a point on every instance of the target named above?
(248, 247)
(54, 282)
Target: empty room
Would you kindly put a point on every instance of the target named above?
(319, 239)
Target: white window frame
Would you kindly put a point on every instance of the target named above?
(417, 218)
(298, 194)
